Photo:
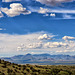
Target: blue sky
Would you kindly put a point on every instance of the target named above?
(37, 26)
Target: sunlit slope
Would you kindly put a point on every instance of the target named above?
(7, 68)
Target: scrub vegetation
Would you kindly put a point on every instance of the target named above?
(8, 68)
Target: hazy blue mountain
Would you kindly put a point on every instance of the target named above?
(40, 58)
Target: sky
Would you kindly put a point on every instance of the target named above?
(37, 26)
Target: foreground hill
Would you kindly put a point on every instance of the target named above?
(7, 68)
(44, 59)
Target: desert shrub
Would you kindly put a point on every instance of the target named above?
(19, 68)
(27, 69)
(19, 65)
(23, 68)
(31, 67)
(28, 65)
(25, 72)
(34, 69)
(15, 70)
(68, 72)
(38, 71)
(16, 67)
(0, 60)
(9, 70)
(63, 73)
(55, 71)
(13, 66)
(2, 73)
(4, 66)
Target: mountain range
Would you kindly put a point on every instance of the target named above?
(41, 59)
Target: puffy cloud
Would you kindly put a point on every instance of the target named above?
(55, 44)
(10, 0)
(1, 15)
(52, 14)
(42, 10)
(20, 41)
(43, 45)
(53, 2)
(57, 47)
(28, 43)
(38, 45)
(34, 46)
(45, 37)
(59, 44)
(15, 10)
(68, 38)
(52, 47)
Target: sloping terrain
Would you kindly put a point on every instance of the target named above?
(7, 68)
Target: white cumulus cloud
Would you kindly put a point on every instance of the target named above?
(45, 37)
(27, 43)
(42, 10)
(43, 45)
(68, 38)
(55, 44)
(52, 14)
(15, 10)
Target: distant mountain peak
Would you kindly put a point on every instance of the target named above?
(39, 58)
(28, 54)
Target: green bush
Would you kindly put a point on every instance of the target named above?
(63, 73)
